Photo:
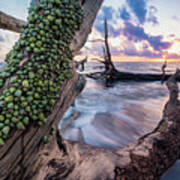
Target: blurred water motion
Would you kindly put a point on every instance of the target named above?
(113, 117)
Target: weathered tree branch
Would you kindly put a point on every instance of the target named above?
(8, 22)
(163, 68)
(106, 50)
(173, 88)
(81, 63)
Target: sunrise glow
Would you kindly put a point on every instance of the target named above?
(175, 48)
(145, 32)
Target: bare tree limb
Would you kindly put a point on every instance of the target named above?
(8, 22)
(107, 49)
(173, 88)
(96, 40)
(163, 68)
(81, 64)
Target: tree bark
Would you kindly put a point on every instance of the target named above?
(25, 154)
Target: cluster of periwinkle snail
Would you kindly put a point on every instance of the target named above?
(38, 64)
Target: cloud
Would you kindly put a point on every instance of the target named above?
(99, 26)
(142, 12)
(153, 9)
(139, 8)
(108, 13)
(114, 32)
(138, 42)
(95, 49)
(137, 34)
(151, 17)
(178, 40)
(129, 49)
(142, 53)
(176, 18)
(173, 56)
(172, 36)
(157, 43)
(124, 14)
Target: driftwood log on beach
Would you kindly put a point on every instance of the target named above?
(125, 76)
(111, 74)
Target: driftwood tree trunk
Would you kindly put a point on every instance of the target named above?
(24, 154)
(107, 53)
(81, 64)
(110, 70)
(111, 74)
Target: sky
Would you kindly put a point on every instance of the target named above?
(139, 30)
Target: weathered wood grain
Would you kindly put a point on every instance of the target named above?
(10, 23)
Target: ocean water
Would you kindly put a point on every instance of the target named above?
(113, 117)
